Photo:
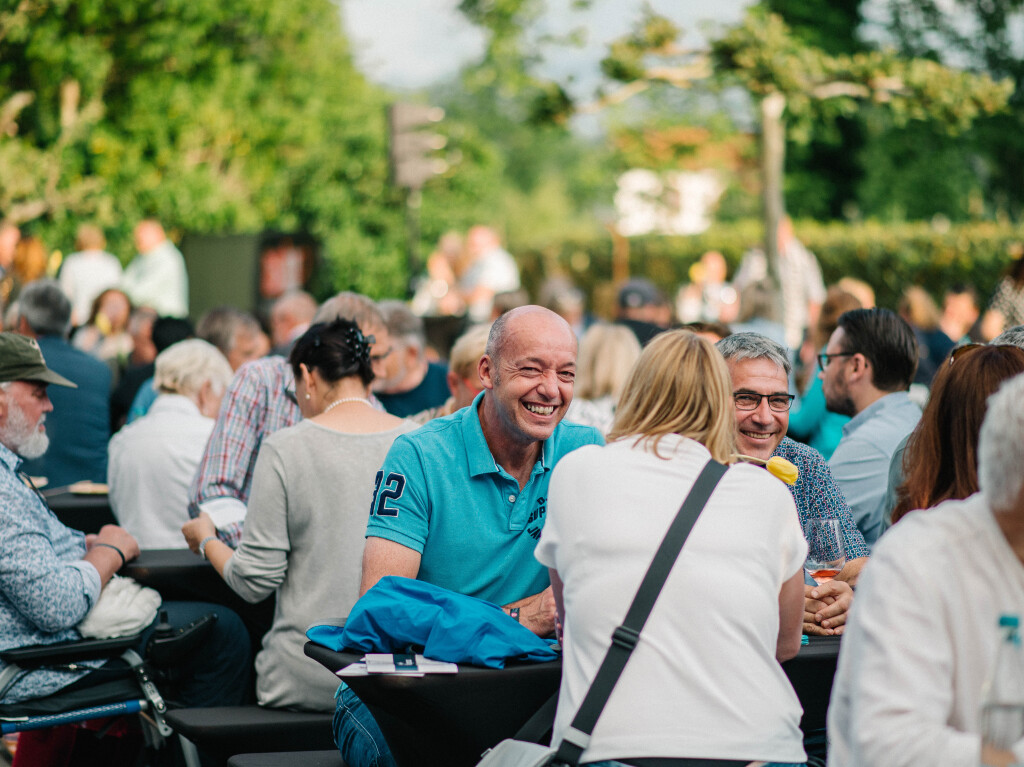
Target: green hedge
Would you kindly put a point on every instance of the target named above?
(889, 257)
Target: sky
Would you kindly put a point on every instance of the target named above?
(410, 44)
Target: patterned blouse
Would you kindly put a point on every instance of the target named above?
(818, 496)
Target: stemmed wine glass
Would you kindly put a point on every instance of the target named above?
(826, 554)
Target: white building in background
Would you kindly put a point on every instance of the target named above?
(676, 202)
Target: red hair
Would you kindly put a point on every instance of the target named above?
(941, 458)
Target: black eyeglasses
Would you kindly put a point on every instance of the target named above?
(824, 358)
(748, 400)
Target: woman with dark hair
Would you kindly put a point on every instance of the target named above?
(105, 335)
(940, 460)
(304, 529)
(704, 681)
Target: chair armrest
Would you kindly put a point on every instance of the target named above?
(64, 652)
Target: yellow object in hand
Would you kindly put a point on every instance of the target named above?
(783, 469)
(777, 465)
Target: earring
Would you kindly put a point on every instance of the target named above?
(307, 395)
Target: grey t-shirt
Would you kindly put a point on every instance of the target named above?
(304, 536)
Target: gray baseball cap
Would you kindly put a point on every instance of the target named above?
(22, 360)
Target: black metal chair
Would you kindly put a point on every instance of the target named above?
(223, 732)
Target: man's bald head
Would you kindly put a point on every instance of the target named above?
(521, 319)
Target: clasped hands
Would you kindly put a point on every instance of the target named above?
(825, 608)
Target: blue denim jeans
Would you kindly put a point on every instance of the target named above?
(356, 733)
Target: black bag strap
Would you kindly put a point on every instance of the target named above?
(538, 727)
(625, 637)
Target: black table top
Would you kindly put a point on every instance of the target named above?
(80, 511)
(461, 715)
(335, 660)
(817, 649)
(60, 498)
(178, 574)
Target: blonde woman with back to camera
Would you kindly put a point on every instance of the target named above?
(704, 681)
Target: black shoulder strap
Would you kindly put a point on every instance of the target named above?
(625, 637)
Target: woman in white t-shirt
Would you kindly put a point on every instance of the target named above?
(704, 682)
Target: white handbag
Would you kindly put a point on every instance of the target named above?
(517, 753)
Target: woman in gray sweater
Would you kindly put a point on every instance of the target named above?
(311, 493)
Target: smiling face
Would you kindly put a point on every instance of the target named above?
(531, 378)
(759, 431)
(23, 409)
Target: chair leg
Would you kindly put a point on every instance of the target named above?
(189, 751)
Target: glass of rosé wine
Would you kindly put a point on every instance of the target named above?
(826, 554)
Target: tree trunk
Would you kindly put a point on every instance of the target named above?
(773, 158)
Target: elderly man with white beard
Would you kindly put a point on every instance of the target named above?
(51, 576)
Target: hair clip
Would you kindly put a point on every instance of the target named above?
(358, 343)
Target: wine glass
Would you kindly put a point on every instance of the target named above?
(826, 554)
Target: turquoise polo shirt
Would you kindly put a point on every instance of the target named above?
(441, 493)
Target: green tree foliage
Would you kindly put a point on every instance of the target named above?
(890, 257)
(823, 172)
(532, 178)
(979, 35)
(212, 115)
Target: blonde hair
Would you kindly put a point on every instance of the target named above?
(185, 367)
(680, 385)
(919, 309)
(607, 354)
(467, 351)
(90, 237)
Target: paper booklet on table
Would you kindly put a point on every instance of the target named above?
(398, 663)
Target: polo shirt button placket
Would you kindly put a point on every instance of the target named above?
(511, 499)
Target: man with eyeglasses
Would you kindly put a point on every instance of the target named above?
(412, 383)
(866, 370)
(259, 402)
(759, 368)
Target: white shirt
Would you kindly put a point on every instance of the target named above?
(86, 274)
(703, 680)
(497, 271)
(921, 640)
(157, 279)
(151, 465)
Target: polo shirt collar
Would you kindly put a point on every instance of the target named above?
(478, 453)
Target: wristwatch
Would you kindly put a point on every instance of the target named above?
(202, 545)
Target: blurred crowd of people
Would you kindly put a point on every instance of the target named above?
(419, 438)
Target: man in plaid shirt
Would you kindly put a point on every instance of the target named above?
(259, 402)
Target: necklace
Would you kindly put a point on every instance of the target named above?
(346, 399)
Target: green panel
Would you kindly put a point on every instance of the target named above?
(222, 270)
